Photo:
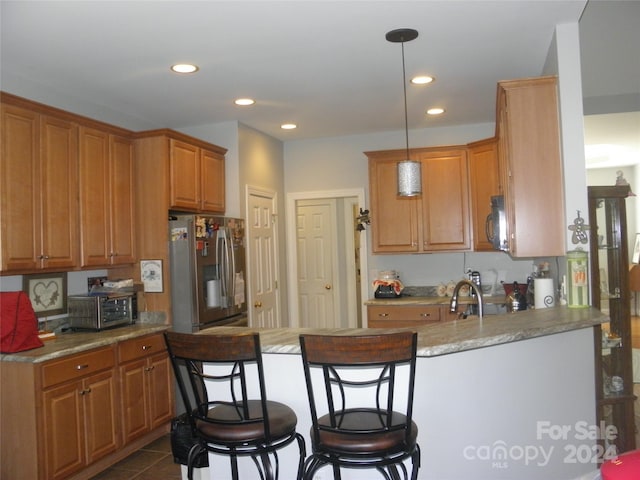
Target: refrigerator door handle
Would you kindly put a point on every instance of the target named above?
(232, 269)
(226, 267)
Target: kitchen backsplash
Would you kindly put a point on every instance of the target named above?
(434, 269)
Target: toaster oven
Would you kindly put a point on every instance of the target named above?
(98, 312)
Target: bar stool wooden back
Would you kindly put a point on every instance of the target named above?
(227, 405)
(360, 392)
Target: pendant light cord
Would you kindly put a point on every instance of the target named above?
(404, 86)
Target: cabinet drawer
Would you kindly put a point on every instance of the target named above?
(77, 366)
(375, 323)
(140, 347)
(418, 313)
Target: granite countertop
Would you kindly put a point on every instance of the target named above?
(448, 337)
(433, 340)
(429, 300)
(70, 343)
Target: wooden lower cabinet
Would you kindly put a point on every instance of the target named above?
(407, 316)
(65, 418)
(82, 413)
(145, 377)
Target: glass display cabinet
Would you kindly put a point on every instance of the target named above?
(610, 293)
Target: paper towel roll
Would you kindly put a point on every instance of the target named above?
(543, 294)
(213, 293)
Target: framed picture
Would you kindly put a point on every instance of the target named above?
(47, 292)
(636, 250)
(151, 274)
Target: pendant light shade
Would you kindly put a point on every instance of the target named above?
(409, 178)
(409, 175)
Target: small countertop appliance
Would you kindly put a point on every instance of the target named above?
(387, 285)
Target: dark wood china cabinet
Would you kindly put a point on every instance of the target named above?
(610, 293)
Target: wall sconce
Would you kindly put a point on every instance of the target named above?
(362, 220)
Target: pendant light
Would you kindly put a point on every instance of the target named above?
(409, 174)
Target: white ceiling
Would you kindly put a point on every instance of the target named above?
(324, 65)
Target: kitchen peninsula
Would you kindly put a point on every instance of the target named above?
(510, 397)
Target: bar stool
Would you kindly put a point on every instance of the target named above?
(625, 466)
(366, 410)
(223, 417)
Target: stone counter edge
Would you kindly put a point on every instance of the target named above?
(71, 343)
(447, 337)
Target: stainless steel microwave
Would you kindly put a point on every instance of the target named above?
(98, 312)
(496, 224)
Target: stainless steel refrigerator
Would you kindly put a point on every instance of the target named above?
(208, 281)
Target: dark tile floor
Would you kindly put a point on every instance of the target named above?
(153, 462)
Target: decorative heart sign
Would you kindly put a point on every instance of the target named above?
(45, 294)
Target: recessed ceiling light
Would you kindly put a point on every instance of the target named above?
(288, 126)
(244, 101)
(184, 68)
(435, 111)
(422, 80)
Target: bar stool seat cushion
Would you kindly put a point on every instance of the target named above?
(365, 443)
(225, 426)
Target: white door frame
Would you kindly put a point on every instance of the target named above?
(251, 190)
(292, 251)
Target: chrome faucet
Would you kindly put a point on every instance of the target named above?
(453, 306)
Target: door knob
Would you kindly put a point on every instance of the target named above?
(257, 304)
(327, 287)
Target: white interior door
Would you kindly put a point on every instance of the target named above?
(264, 308)
(318, 282)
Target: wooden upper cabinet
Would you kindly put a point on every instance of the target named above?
(196, 178)
(94, 197)
(106, 199)
(394, 219)
(123, 231)
(39, 191)
(437, 220)
(445, 200)
(485, 183)
(20, 194)
(212, 187)
(185, 178)
(528, 134)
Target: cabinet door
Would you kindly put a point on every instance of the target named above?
(39, 191)
(19, 192)
(212, 188)
(101, 416)
(160, 381)
(63, 430)
(122, 201)
(184, 175)
(94, 197)
(483, 166)
(445, 200)
(59, 193)
(529, 133)
(134, 407)
(394, 223)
